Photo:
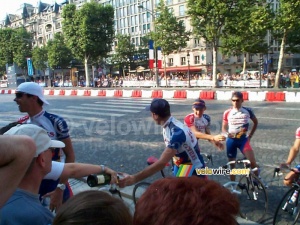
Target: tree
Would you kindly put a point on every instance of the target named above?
(89, 31)
(59, 55)
(170, 34)
(246, 32)
(208, 18)
(286, 24)
(6, 53)
(40, 59)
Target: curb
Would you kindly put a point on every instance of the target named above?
(270, 96)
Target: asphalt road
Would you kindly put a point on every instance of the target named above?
(119, 133)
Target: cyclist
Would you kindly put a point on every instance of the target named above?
(236, 122)
(181, 144)
(30, 99)
(291, 176)
(199, 123)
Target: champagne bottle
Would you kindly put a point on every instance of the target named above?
(94, 180)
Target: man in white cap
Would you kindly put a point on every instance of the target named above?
(24, 207)
(30, 99)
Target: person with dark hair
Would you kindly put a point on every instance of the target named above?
(181, 145)
(199, 123)
(236, 125)
(93, 207)
(186, 200)
(30, 99)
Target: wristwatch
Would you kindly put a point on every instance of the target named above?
(61, 186)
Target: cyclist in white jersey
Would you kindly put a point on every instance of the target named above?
(291, 176)
(199, 123)
(181, 144)
(30, 99)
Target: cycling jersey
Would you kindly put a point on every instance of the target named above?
(238, 120)
(298, 133)
(200, 123)
(179, 137)
(57, 129)
(238, 124)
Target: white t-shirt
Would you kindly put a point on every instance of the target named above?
(56, 171)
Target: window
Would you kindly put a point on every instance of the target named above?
(196, 43)
(197, 59)
(170, 61)
(182, 61)
(169, 2)
(239, 58)
(250, 57)
(181, 10)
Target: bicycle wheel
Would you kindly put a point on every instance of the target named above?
(253, 198)
(139, 190)
(286, 212)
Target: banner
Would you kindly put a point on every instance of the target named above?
(29, 67)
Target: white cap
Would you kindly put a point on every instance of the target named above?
(38, 134)
(33, 89)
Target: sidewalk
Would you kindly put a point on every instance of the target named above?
(78, 186)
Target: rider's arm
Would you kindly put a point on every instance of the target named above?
(224, 126)
(165, 157)
(293, 152)
(200, 135)
(253, 129)
(68, 150)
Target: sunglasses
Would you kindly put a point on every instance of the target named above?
(19, 94)
(235, 100)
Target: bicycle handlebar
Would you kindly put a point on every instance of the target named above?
(238, 161)
(278, 170)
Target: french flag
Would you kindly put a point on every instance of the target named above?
(151, 54)
(159, 61)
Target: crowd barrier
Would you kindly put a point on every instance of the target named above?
(270, 96)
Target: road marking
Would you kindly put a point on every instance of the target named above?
(288, 108)
(274, 118)
(115, 106)
(90, 113)
(127, 103)
(101, 108)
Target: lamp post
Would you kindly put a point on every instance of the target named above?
(261, 61)
(155, 50)
(188, 61)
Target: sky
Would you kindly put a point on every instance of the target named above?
(11, 6)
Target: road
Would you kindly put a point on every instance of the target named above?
(118, 132)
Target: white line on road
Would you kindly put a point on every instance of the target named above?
(115, 106)
(103, 108)
(89, 113)
(274, 118)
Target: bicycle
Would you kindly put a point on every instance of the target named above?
(141, 187)
(288, 210)
(250, 191)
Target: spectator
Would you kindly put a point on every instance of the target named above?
(293, 77)
(16, 154)
(93, 207)
(24, 206)
(30, 99)
(186, 200)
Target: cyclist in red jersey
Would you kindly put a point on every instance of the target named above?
(291, 176)
(236, 124)
(199, 123)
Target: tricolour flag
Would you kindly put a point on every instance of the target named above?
(185, 170)
(29, 67)
(159, 62)
(151, 54)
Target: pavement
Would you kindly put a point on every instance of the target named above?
(126, 193)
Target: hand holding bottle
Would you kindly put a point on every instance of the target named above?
(107, 176)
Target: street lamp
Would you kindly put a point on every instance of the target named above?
(155, 50)
(188, 61)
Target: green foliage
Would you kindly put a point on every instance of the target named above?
(125, 50)
(6, 50)
(59, 55)
(40, 58)
(169, 33)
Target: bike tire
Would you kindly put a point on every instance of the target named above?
(253, 198)
(285, 213)
(139, 190)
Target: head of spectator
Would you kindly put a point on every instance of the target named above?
(93, 207)
(160, 109)
(30, 98)
(199, 107)
(42, 161)
(178, 200)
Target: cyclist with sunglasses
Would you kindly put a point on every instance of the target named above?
(30, 99)
(236, 125)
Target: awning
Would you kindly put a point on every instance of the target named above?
(182, 69)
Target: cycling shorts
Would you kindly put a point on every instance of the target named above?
(232, 144)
